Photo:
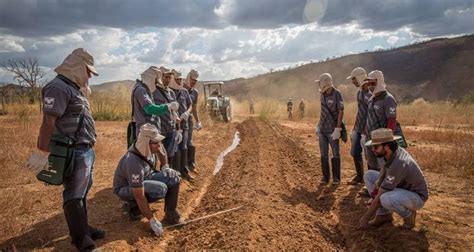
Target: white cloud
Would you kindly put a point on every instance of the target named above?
(378, 48)
(222, 54)
(9, 43)
(392, 40)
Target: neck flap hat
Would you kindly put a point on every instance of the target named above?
(75, 66)
(378, 75)
(360, 74)
(173, 83)
(325, 82)
(152, 77)
(193, 74)
(148, 132)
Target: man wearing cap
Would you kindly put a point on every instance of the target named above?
(65, 106)
(137, 182)
(190, 84)
(164, 95)
(289, 108)
(184, 111)
(400, 188)
(382, 112)
(358, 136)
(302, 106)
(329, 127)
(144, 109)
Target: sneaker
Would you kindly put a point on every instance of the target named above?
(336, 182)
(379, 220)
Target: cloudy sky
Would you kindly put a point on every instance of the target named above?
(222, 39)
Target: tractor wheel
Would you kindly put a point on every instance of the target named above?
(227, 114)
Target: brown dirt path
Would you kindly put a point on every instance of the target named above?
(276, 182)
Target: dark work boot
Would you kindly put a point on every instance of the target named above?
(379, 220)
(95, 232)
(409, 222)
(336, 170)
(171, 202)
(325, 169)
(184, 167)
(359, 178)
(76, 219)
(192, 158)
(176, 164)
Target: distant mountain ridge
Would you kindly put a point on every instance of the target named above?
(439, 69)
(113, 86)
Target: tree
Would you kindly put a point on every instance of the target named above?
(26, 71)
(3, 92)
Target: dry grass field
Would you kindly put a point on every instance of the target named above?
(273, 174)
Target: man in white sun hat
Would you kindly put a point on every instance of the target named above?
(144, 108)
(138, 183)
(190, 84)
(163, 95)
(66, 112)
(329, 127)
(180, 158)
(401, 187)
(382, 111)
(358, 136)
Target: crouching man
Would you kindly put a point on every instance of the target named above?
(399, 187)
(138, 183)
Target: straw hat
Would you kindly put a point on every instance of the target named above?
(380, 136)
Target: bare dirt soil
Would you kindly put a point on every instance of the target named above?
(273, 175)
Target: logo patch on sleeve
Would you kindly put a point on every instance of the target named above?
(392, 110)
(390, 179)
(135, 178)
(48, 102)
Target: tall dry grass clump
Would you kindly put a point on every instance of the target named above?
(445, 151)
(439, 114)
(114, 106)
(420, 112)
(270, 109)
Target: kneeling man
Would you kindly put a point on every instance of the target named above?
(138, 183)
(400, 185)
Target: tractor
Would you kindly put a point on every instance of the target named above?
(217, 105)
